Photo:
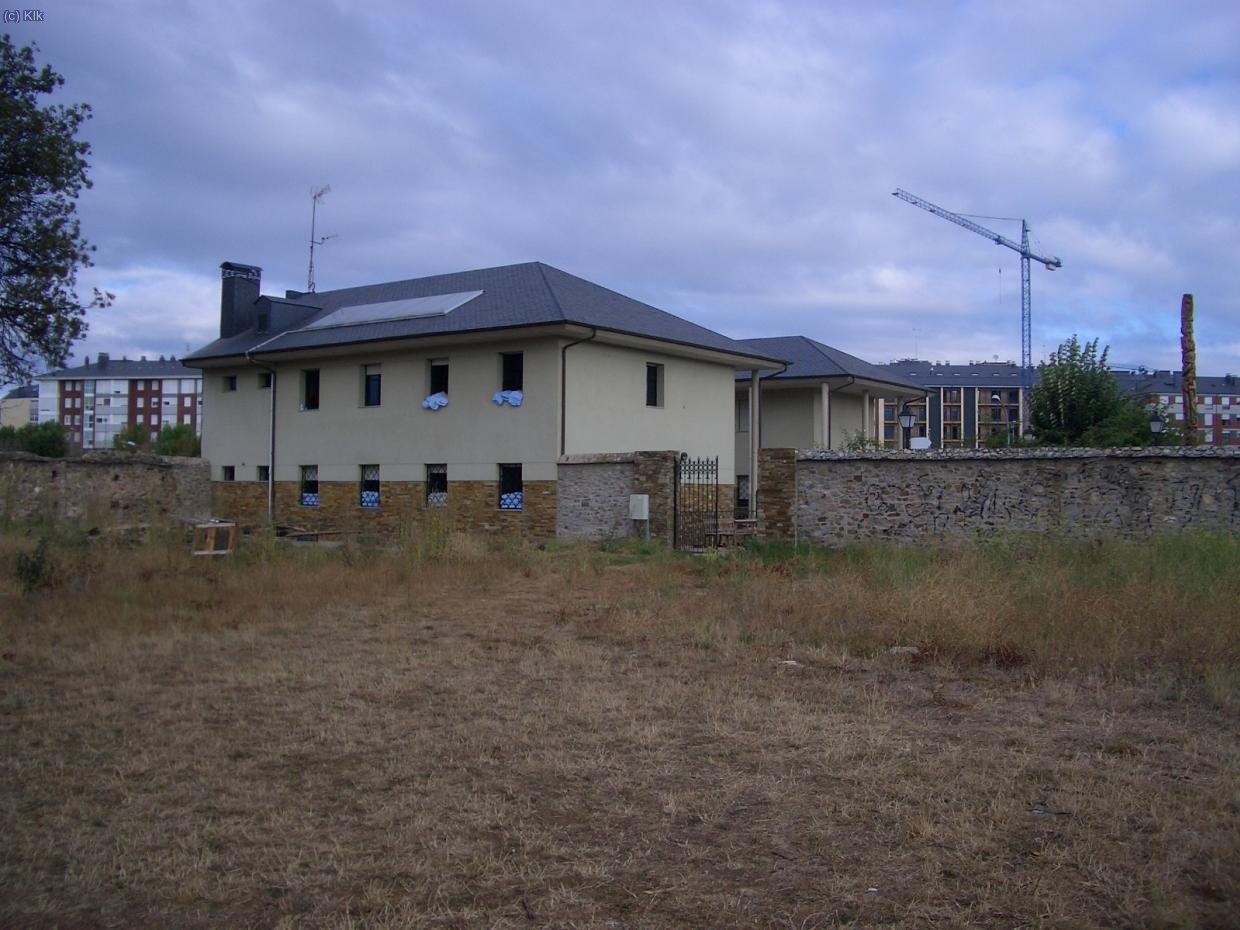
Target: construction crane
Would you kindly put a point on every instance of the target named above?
(1022, 247)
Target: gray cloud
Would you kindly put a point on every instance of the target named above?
(733, 163)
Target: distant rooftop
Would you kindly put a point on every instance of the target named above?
(107, 367)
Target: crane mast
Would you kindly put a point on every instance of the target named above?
(1026, 301)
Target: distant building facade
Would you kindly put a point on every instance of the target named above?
(94, 402)
(1218, 401)
(20, 407)
(964, 405)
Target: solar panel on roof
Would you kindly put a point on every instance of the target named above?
(408, 309)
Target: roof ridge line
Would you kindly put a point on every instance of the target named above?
(542, 273)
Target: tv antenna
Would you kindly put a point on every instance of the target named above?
(315, 197)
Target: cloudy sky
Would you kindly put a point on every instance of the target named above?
(729, 162)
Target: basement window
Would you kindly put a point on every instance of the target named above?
(369, 491)
(511, 493)
(742, 492)
(310, 389)
(654, 385)
(436, 486)
(309, 486)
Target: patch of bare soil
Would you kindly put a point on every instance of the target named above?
(504, 758)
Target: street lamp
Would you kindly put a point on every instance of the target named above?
(1156, 427)
(907, 420)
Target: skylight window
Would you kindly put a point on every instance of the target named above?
(412, 308)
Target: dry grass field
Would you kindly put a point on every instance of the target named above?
(452, 735)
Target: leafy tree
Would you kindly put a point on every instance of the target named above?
(1079, 403)
(42, 171)
(1076, 392)
(178, 440)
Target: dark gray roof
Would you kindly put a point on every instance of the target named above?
(513, 296)
(975, 374)
(808, 358)
(1172, 382)
(125, 368)
(23, 392)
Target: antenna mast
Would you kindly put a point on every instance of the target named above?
(315, 197)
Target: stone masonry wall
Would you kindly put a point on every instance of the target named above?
(473, 506)
(104, 488)
(592, 500)
(955, 496)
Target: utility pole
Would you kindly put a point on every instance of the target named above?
(1188, 359)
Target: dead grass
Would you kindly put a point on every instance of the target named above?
(454, 735)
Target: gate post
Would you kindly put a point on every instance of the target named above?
(654, 473)
(777, 505)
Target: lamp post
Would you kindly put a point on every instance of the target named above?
(907, 420)
(1156, 427)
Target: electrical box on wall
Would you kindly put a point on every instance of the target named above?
(639, 506)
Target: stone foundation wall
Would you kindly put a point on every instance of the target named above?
(473, 506)
(954, 496)
(104, 488)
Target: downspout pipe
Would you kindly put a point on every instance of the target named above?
(564, 386)
(271, 432)
(761, 378)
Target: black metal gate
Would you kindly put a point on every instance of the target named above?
(696, 492)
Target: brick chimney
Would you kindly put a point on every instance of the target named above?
(239, 288)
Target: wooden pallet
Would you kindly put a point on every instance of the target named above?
(214, 538)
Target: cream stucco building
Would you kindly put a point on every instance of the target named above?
(455, 393)
(821, 399)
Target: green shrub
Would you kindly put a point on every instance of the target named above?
(46, 439)
(178, 440)
(131, 438)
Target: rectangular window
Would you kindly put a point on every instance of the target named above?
(372, 377)
(742, 492)
(436, 486)
(230, 382)
(369, 491)
(140, 419)
(511, 496)
(742, 414)
(263, 472)
(439, 376)
(654, 385)
(228, 472)
(310, 484)
(141, 401)
(310, 389)
(264, 380)
(512, 371)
